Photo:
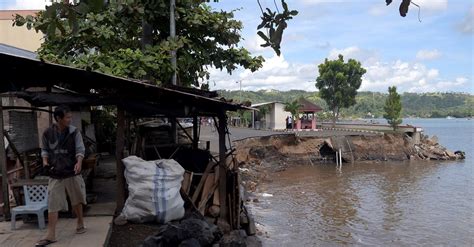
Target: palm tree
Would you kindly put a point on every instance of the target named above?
(293, 108)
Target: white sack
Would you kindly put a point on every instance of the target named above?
(153, 190)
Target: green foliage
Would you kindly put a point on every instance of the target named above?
(275, 25)
(338, 82)
(393, 108)
(414, 105)
(293, 108)
(403, 6)
(107, 38)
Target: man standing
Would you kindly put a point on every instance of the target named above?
(62, 151)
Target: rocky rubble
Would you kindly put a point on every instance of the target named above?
(430, 149)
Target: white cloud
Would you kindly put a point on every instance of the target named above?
(379, 9)
(280, 74)
(363, 55)
(276, 73)
(323, 45)
(408, 76)
(253, 44)
(467, 25)
(431, 5)
(428, 54)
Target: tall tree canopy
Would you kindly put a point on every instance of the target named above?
(338, 82)
(393, 108)
(108, 38)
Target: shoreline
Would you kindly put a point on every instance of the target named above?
(260, 156)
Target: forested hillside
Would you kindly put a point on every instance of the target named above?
(414, 105)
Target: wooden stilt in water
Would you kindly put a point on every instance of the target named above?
(340, 159)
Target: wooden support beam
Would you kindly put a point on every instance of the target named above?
(18, 155)
(3, 167)
(222, 168)
(185, 132)
(50, 109)
(119, 151)
(195, 132)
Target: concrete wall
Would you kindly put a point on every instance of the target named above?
(373, 127)
(19, 37)
(276, 117)
(280, 116)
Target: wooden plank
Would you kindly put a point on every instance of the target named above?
(209, 166)
(202, 203)
(120, 144)
(222, 169)
(22, 182)
(208, 184)
(187, 180)
(18, 155)
(215, 200)
(195, 132)
(3, 167)
(239, 198)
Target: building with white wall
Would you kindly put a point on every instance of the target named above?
(273, 117)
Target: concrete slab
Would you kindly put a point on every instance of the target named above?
(28, 234)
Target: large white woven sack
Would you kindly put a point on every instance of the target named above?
(153, 190)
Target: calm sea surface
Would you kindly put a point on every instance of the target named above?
(379, 204)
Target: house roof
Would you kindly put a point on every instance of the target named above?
(307, 106)
(10, 14)
(94, 88)
(12, 50)
(266, 103)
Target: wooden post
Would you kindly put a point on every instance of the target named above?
(120, 143)
(195, 132)
(50, 108)
(3, 166)
(222, 169)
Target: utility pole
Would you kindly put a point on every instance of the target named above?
(173, 36)
(240, 93)
(174, 132)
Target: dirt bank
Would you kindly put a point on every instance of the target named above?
(259, 156)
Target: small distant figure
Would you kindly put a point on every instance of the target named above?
(290, 123)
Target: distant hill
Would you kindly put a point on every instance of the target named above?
(414, 104)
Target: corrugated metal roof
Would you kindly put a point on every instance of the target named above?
(11, 50)
(266, 103)
(94, 88)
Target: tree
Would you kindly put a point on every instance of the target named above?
(275, 25)
(393, 107)
(293, 108)
(403, 9)
(107, 37)
(338, 83)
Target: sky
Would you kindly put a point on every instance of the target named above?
(434, 55)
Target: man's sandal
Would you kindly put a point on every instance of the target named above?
(44, 242)
(81, 230)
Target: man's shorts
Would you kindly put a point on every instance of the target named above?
(57, 189)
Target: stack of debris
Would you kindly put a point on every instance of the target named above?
(430, 149)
